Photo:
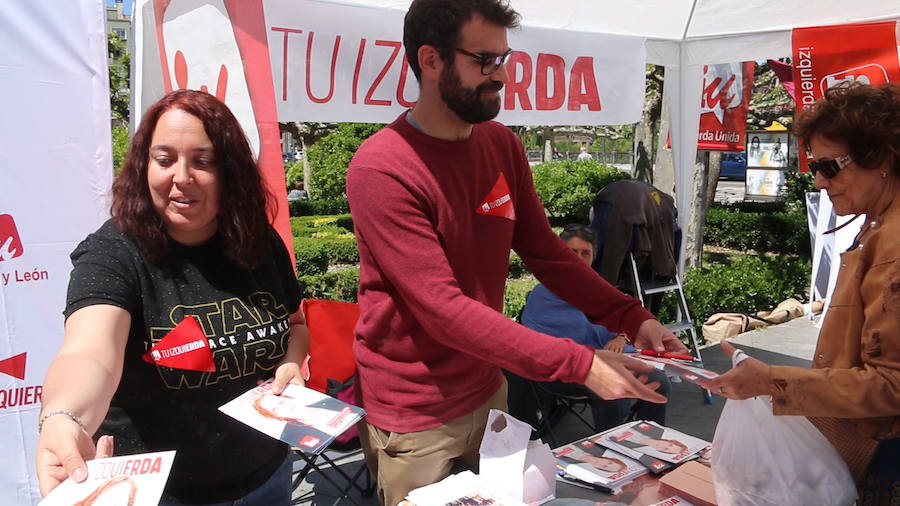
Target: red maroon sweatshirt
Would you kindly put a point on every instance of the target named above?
(435, 221)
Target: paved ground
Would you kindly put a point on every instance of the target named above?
(790, 343)
(728, 191)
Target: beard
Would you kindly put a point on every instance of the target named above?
(467, 102)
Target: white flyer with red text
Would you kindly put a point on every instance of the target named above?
(133, 480)
(299, 416)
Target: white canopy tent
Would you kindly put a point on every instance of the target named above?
(684, 35)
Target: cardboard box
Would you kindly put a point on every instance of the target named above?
(690, 480)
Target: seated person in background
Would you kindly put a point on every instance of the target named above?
(547, 313)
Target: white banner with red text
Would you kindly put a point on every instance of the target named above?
(724, 103)
(57, 172)
(306, 60)
(828, 56)
(334, 62)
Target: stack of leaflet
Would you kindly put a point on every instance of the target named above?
(681, 366)
(299, 416)
(465, 488)
(588, 464)
(658, 448)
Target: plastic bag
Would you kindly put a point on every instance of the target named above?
(762, 459)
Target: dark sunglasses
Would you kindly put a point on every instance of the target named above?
(584, 229)
(828, 168)
(489, 62)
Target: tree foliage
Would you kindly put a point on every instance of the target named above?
(330, 157)
(120, 143)
(769, 102)
(567, 187)
(119, 77)
(293, 173)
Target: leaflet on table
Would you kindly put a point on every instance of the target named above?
(588, 461)
(677, 368)
(673, 501)
(300, 417)
(465, 488)
(644, 438)
(136, 480)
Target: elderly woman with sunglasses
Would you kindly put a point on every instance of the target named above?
(852, 391)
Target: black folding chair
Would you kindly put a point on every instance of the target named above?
(542, 408)
(328, 465)
(331, 326)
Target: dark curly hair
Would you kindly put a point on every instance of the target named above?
(437, 23)
(865, 118)
(244, 202)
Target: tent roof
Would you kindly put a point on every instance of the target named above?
(755, 29)
(678, 20)
(685, 35)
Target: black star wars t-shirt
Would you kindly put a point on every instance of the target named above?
(244, 314)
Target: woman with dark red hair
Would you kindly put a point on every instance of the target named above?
(852, 391)
(189, 239)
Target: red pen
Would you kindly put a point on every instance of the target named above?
(666, 354)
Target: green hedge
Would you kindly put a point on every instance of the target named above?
(781, 232)
(775, 206)
(746, 285)
(343, 284)
(320, 241)
(336, 285)
(318, 207)
(309, 226)
(514, 297)
(567, 187)
(311, 256)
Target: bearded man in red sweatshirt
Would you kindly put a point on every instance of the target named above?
(439, 198)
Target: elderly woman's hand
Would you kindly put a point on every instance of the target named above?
(749, 379)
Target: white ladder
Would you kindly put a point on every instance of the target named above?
(683, 321)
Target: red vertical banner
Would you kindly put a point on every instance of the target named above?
(234, 66)
(827, 56)
(724, 103)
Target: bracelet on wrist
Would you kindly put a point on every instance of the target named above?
(55, 412)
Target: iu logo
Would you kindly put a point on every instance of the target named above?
(10, 243)
(722, 88)
(310, 441)
(872, 74)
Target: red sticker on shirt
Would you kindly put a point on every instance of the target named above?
(499, 201)
(184, 347)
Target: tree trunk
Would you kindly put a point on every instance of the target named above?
(548, 135)
(697, 208)
(306, 171)
(715, 169)
(664, 168)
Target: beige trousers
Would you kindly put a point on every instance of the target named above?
(401, 462)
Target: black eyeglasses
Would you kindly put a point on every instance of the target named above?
(489, 62)
(828, 168)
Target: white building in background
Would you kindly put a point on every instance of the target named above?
(119, 22)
